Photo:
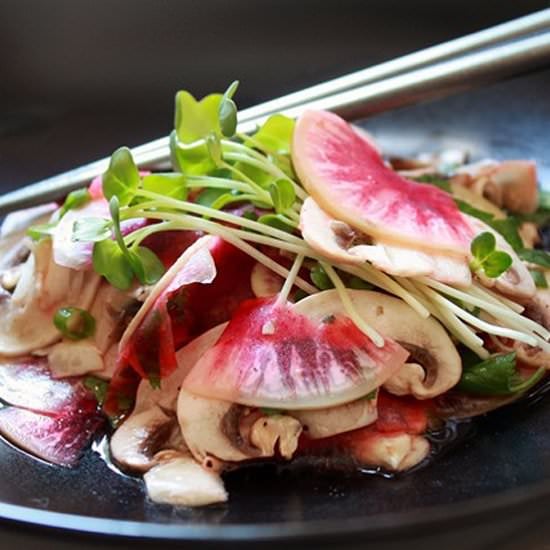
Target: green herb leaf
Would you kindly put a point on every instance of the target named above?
(40, 231)
(274, 136)
(74, 323)
(496, 264)
(113, 264)
(356, 283)
(320, 279)
(170, 185)
(535, 256)
(436, 180)
(98, 387)
(282, 194)
(122, 177)
(270, 412)
(277, 221)
(146, 265)
(508, 228)
(497, 375)
(544, 199)
(539, 278)
(75, 199)
(228, 111)
(91, 229)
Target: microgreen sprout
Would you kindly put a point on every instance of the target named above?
(485, 256)
(74, 323)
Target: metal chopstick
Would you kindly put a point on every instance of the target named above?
(421, 84)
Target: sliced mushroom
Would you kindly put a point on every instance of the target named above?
(337, 241)
(70, 358)
(320, 423)
(202, 424)
(278, 431)
(516, 282)
(436, 365)
(511, 184)
(43, 287)
(393, 452)
(140, 437)
(178, 480)
(537, 308)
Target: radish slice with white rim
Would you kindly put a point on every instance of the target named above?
(273, 355)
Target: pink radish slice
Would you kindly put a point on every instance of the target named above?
(271, 356)
(27, 383)
(349, 180)
(60, 440)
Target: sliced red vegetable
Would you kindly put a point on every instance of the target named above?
(27, 383)
(271, 356)
(60, 439)
(201, 290)
(401, 414)
(348, 178)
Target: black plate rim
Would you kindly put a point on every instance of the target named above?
(421, 520)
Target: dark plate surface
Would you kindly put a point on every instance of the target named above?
(498, 477)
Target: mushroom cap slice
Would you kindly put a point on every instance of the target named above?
(335, 240)
(43, 287)
(394, 452)
(436, 363)
(320, 423)
(140, 436)
(180, 481)
(202, 424)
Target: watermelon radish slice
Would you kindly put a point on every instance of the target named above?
(347, 177)
(59, 440)
(201, 290)
(270, 355)
(27, 383)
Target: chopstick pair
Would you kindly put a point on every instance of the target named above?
(508, 49)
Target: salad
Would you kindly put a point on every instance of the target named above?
(280, 295)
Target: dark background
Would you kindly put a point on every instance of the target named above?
(80, 78)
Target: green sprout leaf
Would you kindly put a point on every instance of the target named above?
(274, 136)
(75, 199)
(91, 229)
(113, 264)
(539, 278)
(214, 148)
(538, 257)
(170, 185)
(497, 375)
(41, 231)
(195, 120)
(282, 194)
(74, 323)
(122, 177)
(508, 228)
(320, 278)
(207, 197)
(146, 265)
(493, 262)
(496, 264)
(277, 221)
(227, 111)
(483, 246)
